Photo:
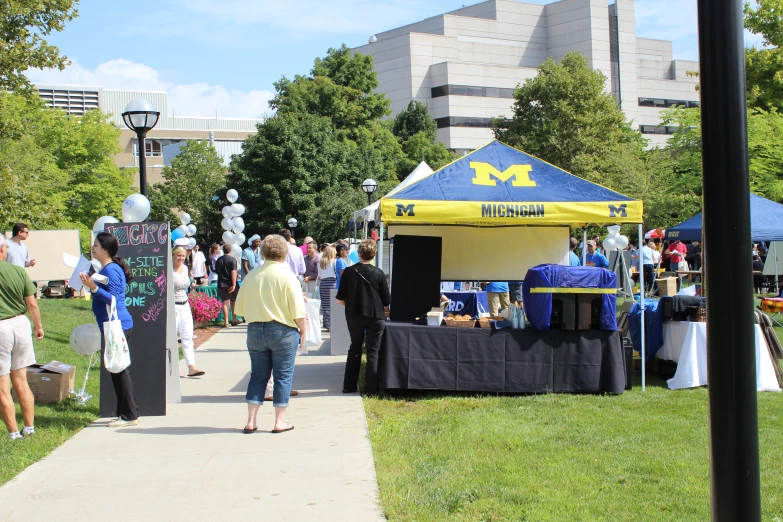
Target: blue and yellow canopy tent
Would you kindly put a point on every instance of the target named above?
(500, 186)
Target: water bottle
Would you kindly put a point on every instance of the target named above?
(521, 313)
(514, 317)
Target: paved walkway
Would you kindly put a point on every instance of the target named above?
(195, 463)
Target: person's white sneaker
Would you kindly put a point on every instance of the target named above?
(122, 423)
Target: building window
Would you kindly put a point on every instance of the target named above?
(663, 103)
(461, 121)
(469, 90)
(658, 129)
(154, 148)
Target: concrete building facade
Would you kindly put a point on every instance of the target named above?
(164, 141)
(466, 63)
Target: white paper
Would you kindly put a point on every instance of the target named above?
(83, 265)
(70, 261)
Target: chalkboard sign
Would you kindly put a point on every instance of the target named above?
(145, 248)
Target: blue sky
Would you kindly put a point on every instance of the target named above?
(225, 55)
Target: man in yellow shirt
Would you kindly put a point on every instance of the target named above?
(271, 301)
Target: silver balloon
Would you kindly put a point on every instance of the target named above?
(239, 239)
(192, 242)
(236, 251)
(86, 339)
(232, 195)
(101, 221)
(621, 242)
(184, 218)
(227, 223)
(135, 208)
(237, 209)
(239, 225)
(228, 237)
(192, 229)
(227, 211)
(183, 229)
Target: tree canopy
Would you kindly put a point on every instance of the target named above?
(23, 24)
(764, 67)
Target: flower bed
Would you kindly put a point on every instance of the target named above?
(204, 308)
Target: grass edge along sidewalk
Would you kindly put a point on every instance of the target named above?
(54, 423)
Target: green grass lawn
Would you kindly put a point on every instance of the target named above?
(54, 423)
(636, 456)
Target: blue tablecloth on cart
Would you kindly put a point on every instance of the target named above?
(470, 303)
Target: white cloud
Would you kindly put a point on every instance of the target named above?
(196, 99)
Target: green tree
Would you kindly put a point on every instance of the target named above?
(414, 119)
(23, 24)
(416, 131)
(566, 117)
(764, 67)
(196, 175)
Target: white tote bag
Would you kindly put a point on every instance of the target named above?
(117, 355)
(313, 320)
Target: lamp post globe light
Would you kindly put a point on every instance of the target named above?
(292, 225)
(141, 116)
(369, 186)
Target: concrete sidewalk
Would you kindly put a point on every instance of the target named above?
(196, 464)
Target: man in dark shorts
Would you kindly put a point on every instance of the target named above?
(226, 269)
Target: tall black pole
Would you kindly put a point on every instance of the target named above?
(731, 365)
(142, 164)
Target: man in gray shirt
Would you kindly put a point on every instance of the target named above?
(17, 252)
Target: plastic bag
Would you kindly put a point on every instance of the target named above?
(117, 355)
(313, 322)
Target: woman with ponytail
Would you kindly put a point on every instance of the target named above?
(119, 274)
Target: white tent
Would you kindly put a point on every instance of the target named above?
(370, 212)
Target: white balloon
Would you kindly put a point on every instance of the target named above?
(86, 339)
(239, 239)
(227, 223)
(622, 242)
(236, 251)
(613, 230)
(101, 221)
(184, 218)
(227, 211)
(135, 208)
(192, 242)
(228, 237)
(609, 244)
(237, 209)
(191, 229)
(183, 229)
(239, 225)
(232, 195)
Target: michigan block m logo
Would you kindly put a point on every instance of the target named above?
(615, 211)
(485, 172)
(405, 209)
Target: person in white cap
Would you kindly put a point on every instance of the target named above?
(251, 256)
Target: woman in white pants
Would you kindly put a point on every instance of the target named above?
(182, 306)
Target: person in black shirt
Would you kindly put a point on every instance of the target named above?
(365, 294)
(226, 269)
(758, 279)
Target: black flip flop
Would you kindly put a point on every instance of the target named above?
(289, 428)
(247, 431)
(197, 374)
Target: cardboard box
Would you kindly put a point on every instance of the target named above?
(667, 286)
(51, 382)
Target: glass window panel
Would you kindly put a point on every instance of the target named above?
(492, 92)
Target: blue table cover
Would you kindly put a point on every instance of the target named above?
(538, 306)
(653, 327)
(466, 303)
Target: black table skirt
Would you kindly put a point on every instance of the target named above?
(416, 357)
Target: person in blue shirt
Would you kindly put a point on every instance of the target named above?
(497, 294)
(596, 259)
(573, 259)
(341, 263)
(644, 257)
(118, 273)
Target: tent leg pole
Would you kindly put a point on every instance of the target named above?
(641, 303)
(584, 246)
(380, 249)
(777, 290)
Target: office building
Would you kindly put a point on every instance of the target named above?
(164, 141)
(465, 64)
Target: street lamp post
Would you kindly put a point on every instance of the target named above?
(141, 116)
(369, 186)
(292, 225)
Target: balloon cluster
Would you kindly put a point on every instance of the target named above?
(186, 229)
(135, 209)
(233, 224)
(614, 241)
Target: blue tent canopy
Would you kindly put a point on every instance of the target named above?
(766, 223)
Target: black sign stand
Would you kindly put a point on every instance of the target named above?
(145, 247)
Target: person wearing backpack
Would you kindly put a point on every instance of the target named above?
(119, 274)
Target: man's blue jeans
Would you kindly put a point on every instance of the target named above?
(272, 347)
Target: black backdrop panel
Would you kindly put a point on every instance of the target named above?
(144, 246)
(415, 276)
